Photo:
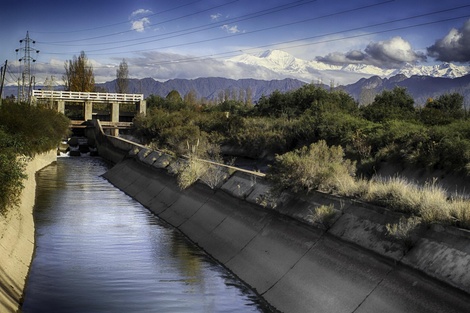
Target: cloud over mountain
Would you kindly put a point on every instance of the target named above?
(454, 47)
(267, 65)
(391, 53)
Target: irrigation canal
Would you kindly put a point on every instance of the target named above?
(98, 250)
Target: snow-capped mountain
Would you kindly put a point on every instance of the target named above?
(290, 66)
(447, 70)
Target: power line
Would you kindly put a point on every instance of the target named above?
(364, 35)
(114, 24)
(235, 52)
(306, 38)
(91, 52)
(203, 27)
(14, 78)
(317, 39)
(131, 30)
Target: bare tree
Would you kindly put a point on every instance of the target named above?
(79, 74)
(249, 96)
(191, 97)
(122, 77)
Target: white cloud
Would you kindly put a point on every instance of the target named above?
(216, 17)
(139, 25)
(230, 29)
(139, 19)
(391, 53)
(140, 12)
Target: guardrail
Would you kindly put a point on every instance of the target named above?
(103, 124)
(78, 95)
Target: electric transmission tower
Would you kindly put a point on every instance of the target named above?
(27, 80)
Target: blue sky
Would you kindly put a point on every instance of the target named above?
(152, 34)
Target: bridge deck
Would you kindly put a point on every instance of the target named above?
(95, 96)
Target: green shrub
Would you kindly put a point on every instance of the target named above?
(11, 177)
(308, 97)
(443, 110)
(34, 129)
(260, 135)
(389, 105)
(24, 131)
(315, 167)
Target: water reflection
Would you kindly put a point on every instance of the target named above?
(97, 250)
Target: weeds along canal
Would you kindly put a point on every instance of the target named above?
(98, 250)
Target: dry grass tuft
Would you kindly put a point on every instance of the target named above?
(323, 215)
(403, 229)
(459, 210)
(431, 202)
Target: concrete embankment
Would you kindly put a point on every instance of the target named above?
(17, 238)
(296, 265)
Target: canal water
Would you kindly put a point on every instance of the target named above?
(98, 250)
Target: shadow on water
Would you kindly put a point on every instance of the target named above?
(98, 250)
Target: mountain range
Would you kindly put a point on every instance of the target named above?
(422, 82)
(421, 88)
(284, 63)
(364, 90)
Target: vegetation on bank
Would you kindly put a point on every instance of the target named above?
(322, 139)
(435, 135)
(24, 132)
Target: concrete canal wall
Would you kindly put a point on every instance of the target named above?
(349, 265)
(17, 238)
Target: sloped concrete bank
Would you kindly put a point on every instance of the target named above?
(296, 265)
(17, 238)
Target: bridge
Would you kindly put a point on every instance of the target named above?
(59, 99)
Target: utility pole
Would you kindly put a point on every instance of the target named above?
(25, 91)
(3, 72)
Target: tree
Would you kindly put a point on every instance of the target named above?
(443, 110)
(174, 100)
(79, 74)
(155, 101)
(174, 96)
(122, 77)
(389, 105)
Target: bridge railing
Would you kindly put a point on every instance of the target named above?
(95, 96)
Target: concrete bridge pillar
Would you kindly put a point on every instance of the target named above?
(142, 107)
(115, 112)
(115, 117)
(88, 110)
(61, 106)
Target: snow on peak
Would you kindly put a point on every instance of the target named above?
(286, 64)
(280, 59)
